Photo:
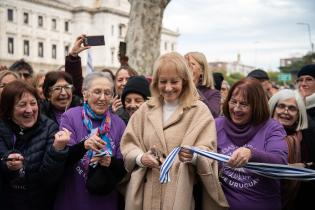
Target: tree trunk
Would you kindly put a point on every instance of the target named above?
(144, 33)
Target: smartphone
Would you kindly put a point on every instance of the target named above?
(94, 40)
(122, 48)
(101, 154)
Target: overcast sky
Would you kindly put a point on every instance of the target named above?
(262, 31)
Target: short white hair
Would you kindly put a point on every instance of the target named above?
(285, 94)
(88, 79)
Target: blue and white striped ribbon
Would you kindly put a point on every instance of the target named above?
(275, 171)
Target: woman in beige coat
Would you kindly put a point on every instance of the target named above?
(173, 117)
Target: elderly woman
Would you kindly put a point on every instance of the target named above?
(203, 79)
(58, 91)
(6, 77)
(306, 86)
(173, 117)
(135, 93)
(288, 108)
(33, 152)
(247, 133)
(95, 141)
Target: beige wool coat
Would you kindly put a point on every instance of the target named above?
(188, 126)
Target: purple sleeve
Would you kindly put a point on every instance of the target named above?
(121, 126)
(74, 68)
(276, 149)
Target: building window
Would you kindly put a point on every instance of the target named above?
(10, 15)
(25, 18)
(40, 21)
(66, 50)
(26, 48)
(54, 51)
(112, 52)
(113, 28)
(121, 28)
(165, 45)
(40, 49)
(53, 24)
(66, 26)
(173, 46)
(10, 45)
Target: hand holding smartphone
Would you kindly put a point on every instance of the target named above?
(94, 40)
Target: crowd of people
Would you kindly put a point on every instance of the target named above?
(98, 141)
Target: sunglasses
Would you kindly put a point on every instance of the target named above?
(25, 75)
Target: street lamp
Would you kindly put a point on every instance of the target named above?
(309, 34)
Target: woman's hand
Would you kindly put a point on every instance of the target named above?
(62, 138)
(298, 165)
(78, 46)
(149, 160)
(240, 157)
(94, 143)
(116, 104)
(15, 161)
(185, 155)
(103, 161)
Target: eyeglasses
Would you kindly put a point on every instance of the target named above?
(67, 88)
(307, 80)
(97, 93)
(291, 109)
(241, 105)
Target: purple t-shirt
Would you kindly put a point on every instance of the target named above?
(243, 189)
(73, 194)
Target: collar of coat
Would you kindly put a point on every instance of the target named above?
(310, 101)
(156, 102)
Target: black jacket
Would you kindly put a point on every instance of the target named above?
(305, 195)
(43, 166)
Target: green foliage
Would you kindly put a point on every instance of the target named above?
(232, 78)
(296, 66)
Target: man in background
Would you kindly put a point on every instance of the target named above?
(264, 80)
(24, 69)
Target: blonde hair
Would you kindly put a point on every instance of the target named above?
(8, 72)
(189, 92)
(37, 78)
(207, 77)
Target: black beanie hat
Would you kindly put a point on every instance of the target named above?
(136, 84)
(307, 70)
(258, 74)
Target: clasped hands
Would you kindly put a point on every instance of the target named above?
(96, 144)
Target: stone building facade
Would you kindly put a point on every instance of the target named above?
(42, 31)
